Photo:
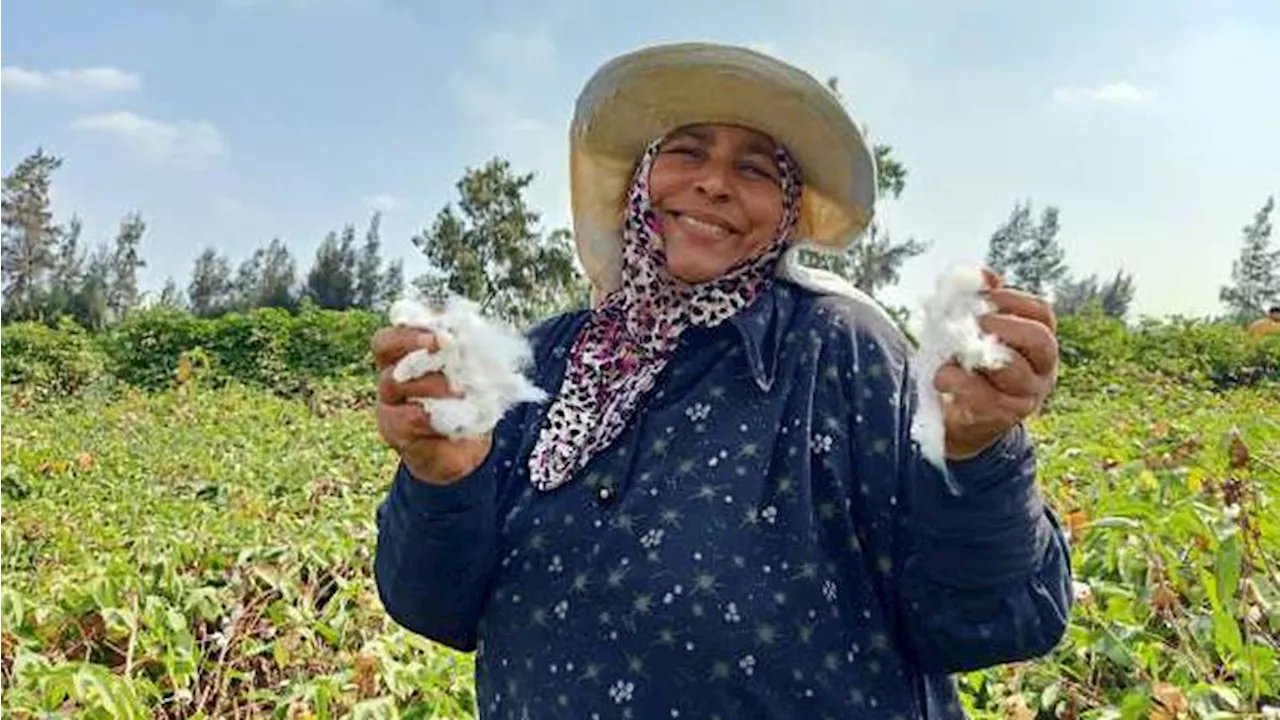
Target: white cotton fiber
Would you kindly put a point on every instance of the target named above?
(480, 358)
(951, 332)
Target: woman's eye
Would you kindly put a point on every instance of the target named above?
(760, 172)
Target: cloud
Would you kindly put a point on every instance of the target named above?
(381, 202)
(85, 81)
(158, 139)
(1118, 93)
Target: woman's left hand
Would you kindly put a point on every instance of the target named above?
(986, 404)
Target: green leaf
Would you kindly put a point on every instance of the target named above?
(1227, 569)
(1226, 633)
(1135, 704)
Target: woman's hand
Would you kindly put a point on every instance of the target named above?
(405, 425)
(986, 404)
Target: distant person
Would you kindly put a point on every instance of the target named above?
(720, 512)
(1267, 325)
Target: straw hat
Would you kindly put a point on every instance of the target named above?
(636, 98)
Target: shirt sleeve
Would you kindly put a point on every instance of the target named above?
(437, 544)
(985, 575)
(435, 552)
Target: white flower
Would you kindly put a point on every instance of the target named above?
(822, 444)
(731, 613)
(770, 514)
(829, 591)
(561, 609)
(698, 411)
(748, 664)
(621, 691)
(653, 538)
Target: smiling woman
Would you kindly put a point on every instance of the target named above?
(717, 193)
(720, 511)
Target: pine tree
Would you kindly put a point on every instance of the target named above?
(1255, 274)
(211, 292)
(68, 271)
(1025, 254)
(122, 291)
(331, 282)
(29, 234)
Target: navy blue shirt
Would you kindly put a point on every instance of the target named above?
(762, 541)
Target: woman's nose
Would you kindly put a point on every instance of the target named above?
(714, 182)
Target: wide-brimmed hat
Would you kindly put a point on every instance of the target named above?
(638, 97)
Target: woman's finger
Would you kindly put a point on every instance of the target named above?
(1008, 301)
(389, 344)
(1029, 338)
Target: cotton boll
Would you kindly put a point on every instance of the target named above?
(482, 360)
(951, 331)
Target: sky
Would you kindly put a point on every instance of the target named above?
(229, 122)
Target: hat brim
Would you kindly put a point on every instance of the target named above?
(641, 96)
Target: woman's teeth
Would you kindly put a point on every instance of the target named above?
(703, 227)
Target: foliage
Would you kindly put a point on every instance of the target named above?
(265, 347)
(1112, 297)
(203, 551)
(1026, 253)
(29, 234)
(1256, 272)
(226, 566)
(51, 362)
(1095, 347)
(1169, 496)
(495, 254)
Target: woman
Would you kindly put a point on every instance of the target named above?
(720, 512)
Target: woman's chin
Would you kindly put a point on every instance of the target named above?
(691, 271)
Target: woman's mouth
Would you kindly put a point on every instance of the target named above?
(702, 227)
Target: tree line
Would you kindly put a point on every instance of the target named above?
(489, 246)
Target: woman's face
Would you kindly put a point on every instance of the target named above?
(718, 198)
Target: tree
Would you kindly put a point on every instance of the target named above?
(29, 234)
(1026, 254)
(211, 292)
(1112, 298)
(392, 284)
(1255, 274)
(122, 291)
(91, 307)
(494, 253)
(876, 260)
(369, 267)
(170, 295)
(67, 276)
(266, 278)
(277, 276)
(331, 283)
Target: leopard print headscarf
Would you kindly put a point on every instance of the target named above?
(630, 337)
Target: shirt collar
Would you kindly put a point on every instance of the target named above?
(761, 326)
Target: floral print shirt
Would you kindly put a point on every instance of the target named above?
(763, 540)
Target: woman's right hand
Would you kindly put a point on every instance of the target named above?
(405, 424)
